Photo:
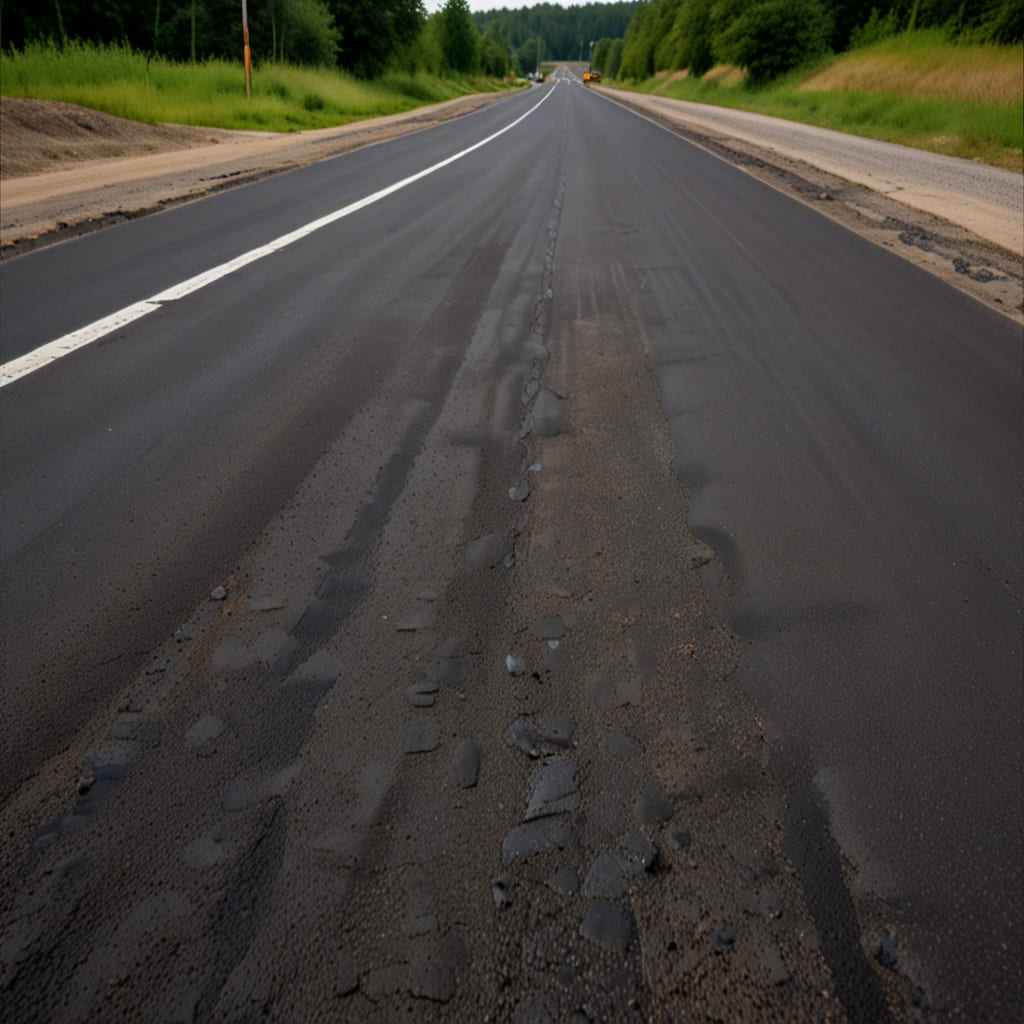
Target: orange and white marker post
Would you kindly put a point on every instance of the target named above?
(248, 54)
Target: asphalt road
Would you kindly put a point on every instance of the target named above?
(447, 429)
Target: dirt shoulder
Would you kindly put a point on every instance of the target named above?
(66, 170)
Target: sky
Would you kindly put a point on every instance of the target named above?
(493, 5)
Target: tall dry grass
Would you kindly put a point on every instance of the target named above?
(927, 67)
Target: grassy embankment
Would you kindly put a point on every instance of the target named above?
(916, 89)
(285, 98)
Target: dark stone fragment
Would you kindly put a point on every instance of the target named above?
(608, 924)
(499, 890)
(534, 837)
(885, 951)
(466, 763)
(346, 975)
(420, 736)
(609, 876)
(652, 805)
(554, 790)
(557, 730)
(516, 664)
(523, 736)
(641, 851)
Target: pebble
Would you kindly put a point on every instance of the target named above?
(608, 924)
(420, 736)
(554, 790)
(519, 493)
(652, 805)
(524, 737)
(556, 730)
(608, 877)
(885, 951)
(515, 664)
(218, 593)
(535, 837)
(549, 418)
(499, 891)
(344, 974)
(641, 851)
(466, 763)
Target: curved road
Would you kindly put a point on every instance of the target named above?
(414, 421)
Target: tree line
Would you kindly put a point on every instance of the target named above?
(364, 37)
(770, 37)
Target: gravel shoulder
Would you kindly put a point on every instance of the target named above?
(66, 171)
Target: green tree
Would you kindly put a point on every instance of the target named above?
(614, 58)
(296, 31)
(696, 30)
(373, 32)
(458, 37)
(495, 56)
(530, 54)
(771, 37)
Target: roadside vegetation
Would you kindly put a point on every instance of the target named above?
(942, 75)
(316, 63)
(285, 97)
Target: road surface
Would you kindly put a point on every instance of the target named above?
(525, 569)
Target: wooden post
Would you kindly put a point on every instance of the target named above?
(248, 54)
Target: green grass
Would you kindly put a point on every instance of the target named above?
(918, 90)
(285, 98)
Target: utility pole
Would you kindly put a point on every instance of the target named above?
(248, 55)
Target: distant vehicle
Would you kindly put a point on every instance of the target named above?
(591, 76)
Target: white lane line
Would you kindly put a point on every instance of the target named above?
(48, 353)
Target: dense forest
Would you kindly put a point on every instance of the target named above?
(365, 37)
(770, 37)
(564, 32)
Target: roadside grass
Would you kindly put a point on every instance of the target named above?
(285, 98)
(916, 89)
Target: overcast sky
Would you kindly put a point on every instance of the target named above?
(494, 5)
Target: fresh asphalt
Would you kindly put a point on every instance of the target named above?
(848, 430)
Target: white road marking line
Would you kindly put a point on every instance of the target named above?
(48, 353)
